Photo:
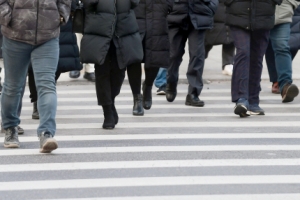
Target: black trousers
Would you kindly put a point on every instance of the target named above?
(32, 87)
(178, 38)
(134, 73)
(109, 78)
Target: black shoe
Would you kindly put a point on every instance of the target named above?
(115, 113)
(11, 139)
(171, 92)
(47, 143)
(147, 96)
(193, 100)
(89, 76)
(74, 74)
(35, 113)
(161, 90)
(289, 92)
(109, 120)
(138, 109)
(241, 107)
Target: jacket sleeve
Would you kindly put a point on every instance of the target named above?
(5, 13)
(134, 3)
(64, 9)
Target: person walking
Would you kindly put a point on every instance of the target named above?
(188, 20)
(221, 35)
(68, 59)
(20, 47)
(152, 20)
(278, 54)
(250, 26)
(112, 43)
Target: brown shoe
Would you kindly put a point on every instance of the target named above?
(289, 92)
(275, 88)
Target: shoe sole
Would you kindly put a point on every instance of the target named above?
(241, 111)
(197, 105)
(291, 93)
(11, 145)
(256, 113)
(160, 93)
(49, 146)
(108, 127)
(138, 114)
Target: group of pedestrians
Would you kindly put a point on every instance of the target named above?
(120, 35)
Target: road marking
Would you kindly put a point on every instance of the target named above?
(235, 124)
(148, 164)
(294, 196)
(148, 181)
(171, 136)
(157, 149)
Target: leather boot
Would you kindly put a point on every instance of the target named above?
(35, 113)
(147, 96)
(138, 109)
(171, 91)
(115, 113)
(109, 120)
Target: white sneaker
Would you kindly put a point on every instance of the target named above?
(228, 70)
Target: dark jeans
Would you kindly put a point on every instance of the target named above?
(278, 55)
(32, 87)
(109, 78)
(178, 38)
(228, 51)
(250, 49)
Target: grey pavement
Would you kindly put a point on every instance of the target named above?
(173, 152)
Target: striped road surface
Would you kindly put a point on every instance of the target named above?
(174, 152)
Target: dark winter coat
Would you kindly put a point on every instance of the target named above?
(151, 16)
(108, 21)
(33, 22)
(295, 31)
(69, 53)
(199, 12)
(251, 14)
(221, 33)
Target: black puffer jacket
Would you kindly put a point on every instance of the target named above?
(221, 33)
(108, 20)
(251, 14)
(152, 20)
(199, 12)
(295, 31)
(33, 22)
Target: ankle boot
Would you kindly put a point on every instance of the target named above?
(35, 113)
(109, 120)
(138, 109)
(115, 113)
(147, 96)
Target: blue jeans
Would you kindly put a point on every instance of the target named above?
(161, 78)
(44, 59)
(278, 55)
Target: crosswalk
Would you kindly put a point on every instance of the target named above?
(173, 152)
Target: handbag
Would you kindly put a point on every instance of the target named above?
(78, 18)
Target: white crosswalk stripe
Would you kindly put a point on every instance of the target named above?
(174, 152)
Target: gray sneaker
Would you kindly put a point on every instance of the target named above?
(47, 143)
(11, 139)
(20, 130)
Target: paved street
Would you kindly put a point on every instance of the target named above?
(174, 152)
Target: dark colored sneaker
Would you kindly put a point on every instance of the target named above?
(254, 109)
(11, 139)
(89, 76)
(161, 90)
(193, 100)
(289, 92)
(74, 74)
(20, 130)
(35, 112)
(47, 143)
(241, 107)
